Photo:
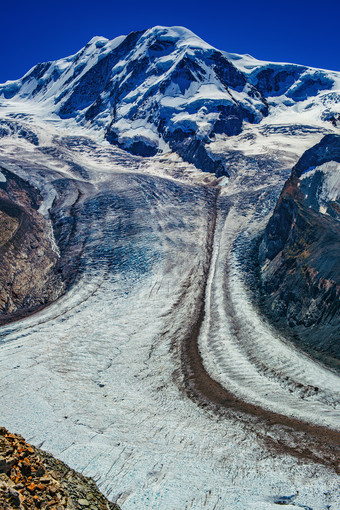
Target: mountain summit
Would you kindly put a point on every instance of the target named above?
(166, 89)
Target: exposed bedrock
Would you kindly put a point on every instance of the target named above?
(29, 277)
(299, 253)
(39, 250)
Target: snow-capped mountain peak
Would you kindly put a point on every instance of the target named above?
(166, 89)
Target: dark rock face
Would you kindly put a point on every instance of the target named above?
(194, 151)
(327, 150)
(229, 121)
(299, 256)
(227, 72)
(275, 80)
(96, 79)
(332, 117)
(139, 148)
(296, 82)
(310, 86)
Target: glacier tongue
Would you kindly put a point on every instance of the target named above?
(96, 377)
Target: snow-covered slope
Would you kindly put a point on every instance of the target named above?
(165, 88)
(319, 174)
(293, 92)
(321, 186)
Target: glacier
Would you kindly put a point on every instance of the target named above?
(155, 373)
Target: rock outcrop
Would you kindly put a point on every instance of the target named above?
(29, 277)
(31, 479)
(300, 253)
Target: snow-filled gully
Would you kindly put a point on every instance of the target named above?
(101, 378)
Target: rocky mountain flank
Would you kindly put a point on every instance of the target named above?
(299, 253)
(29, 277)
(31, 479)
(41, 237)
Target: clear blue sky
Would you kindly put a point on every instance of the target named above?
(300, 31)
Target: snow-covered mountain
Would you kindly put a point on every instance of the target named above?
(166, 89)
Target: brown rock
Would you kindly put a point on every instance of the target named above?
(83, 502)
(6, 464)
(51, 484)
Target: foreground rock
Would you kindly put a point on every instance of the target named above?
(31, 478)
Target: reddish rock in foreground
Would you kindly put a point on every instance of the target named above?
(33, 479)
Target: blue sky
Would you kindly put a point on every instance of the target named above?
(299, 31)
